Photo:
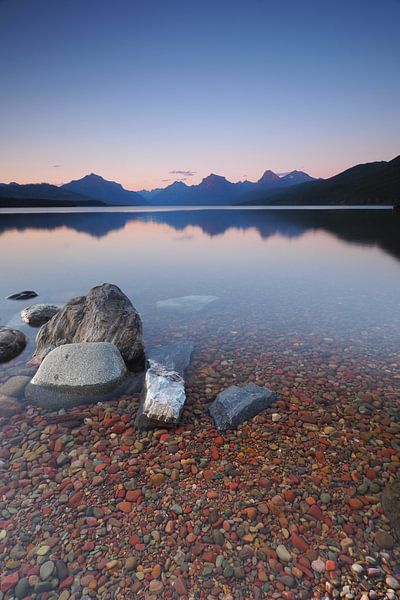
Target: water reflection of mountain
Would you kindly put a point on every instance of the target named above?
(370, 227)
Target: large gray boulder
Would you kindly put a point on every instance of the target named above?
(237, 404)
(77, 373)
(163, 395)
(105, 314)
(39, 314)
(12, 342)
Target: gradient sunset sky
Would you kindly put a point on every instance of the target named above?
(139, 91)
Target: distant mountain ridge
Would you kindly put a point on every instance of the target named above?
(41, 194)
(370, 183)
(217, 190)
(97, 188)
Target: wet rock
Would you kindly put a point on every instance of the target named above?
(75, 373)
(283, 554)
(391, 505)
(47, 570)
(392, 583)
(174, 357)
(8, 582)
(384, 540)
(15, 386)
(22, 588)
(163, 398)
(186, 304)
(9, 407)
(237, 404)
(25, 295)
(39, 314)
(105, 314)
(12, 342)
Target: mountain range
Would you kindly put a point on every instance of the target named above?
(217, 190)
(371, 183)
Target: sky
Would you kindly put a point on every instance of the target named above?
(147, 92)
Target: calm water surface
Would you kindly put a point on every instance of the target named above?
(294, 287)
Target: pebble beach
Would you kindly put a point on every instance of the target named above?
(287, 506)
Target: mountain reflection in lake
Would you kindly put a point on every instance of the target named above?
(281, 277)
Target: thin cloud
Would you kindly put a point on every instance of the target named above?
(165, 180)
(185, 173)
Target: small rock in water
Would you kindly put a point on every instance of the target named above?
(237, 404)
(9, 407)
(46, 570)
(391, 505)
(25, 295)
(12, 342)
(186, 304)
(384, 540)
(14, 386)
(392, 583)
(283, 553)
(39, 314)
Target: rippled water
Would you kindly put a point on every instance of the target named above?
(293, 287)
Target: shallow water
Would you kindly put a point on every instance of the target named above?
(293, 287)
(302, 301)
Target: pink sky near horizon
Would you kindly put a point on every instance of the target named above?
(160, 176)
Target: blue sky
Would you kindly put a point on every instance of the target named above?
(134, 90)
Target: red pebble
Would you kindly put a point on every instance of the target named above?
(75, 499)
(298, 542)
(316, 512)
(8, 582)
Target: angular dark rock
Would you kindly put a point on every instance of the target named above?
(12, 342)
(237, 404)
(174, 357)
(105, 314)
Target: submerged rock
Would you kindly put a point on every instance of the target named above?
(163, 398)
(77, 373)
(105, 314)
(186, 303)
(25, 295)
(174, 357)
(237, 404)
(9, 406)
(39, 314)
(12, 342)
(391, 505)
(14, 386)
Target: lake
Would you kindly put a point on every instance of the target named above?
(287, 281)
(296, 503)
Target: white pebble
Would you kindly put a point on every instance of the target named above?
(356, 568)
(392, 583)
